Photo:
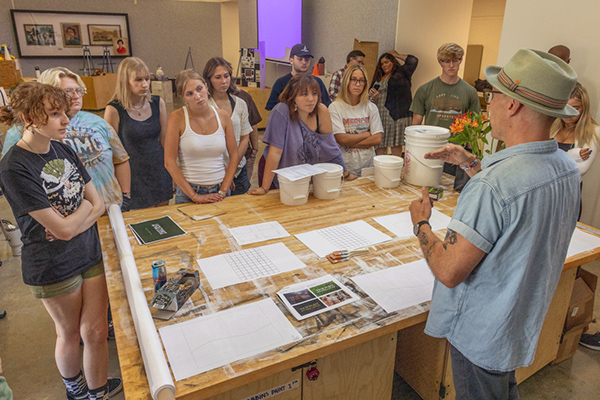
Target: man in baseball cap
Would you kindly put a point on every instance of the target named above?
(300, 59)
(500, 263)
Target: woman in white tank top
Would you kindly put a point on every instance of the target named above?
(198, 134)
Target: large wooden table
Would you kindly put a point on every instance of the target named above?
(355, 345)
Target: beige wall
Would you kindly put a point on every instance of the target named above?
(424, 25)
(230, 33)
(486, 29)
(574, 24)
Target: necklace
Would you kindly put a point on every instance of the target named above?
(137, 109)
(54, 168)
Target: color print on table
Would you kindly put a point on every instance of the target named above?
(313, 297)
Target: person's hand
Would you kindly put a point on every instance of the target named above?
(420, 209)
(451, 153)
(394, 53)
(374, 93)
(350, 177)
(585, 153)
(207, 198)
(259, 191)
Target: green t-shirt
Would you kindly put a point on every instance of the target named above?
(440, 103)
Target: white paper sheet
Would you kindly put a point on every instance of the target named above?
(398, 287)
(258, 232)
(309, 298)
(299, 171)
(581, 241)
(401, 225)
(350, 236)
(208, 342)
(246, 265)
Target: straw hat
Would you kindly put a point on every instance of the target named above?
(538, 80)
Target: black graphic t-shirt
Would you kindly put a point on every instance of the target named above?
(38, 181)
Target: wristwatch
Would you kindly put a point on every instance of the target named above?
(418, 226)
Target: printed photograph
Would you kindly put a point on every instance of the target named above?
(71, 34)
(39, 35)
(324, 288)
(121, 46)
(332, 299)
(103, 35)
(298, 297)
(309, 307)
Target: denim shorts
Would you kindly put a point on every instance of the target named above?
(181, 197)
(68, 286)
(242, 184)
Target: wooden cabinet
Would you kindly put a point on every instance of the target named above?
(100, 90)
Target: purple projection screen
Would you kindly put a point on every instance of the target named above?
(279, 25)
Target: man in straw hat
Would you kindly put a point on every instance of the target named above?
(499, 265)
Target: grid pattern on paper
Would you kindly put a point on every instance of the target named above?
(344, 238)
(250, 264)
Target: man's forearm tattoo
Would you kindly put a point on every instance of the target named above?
(426, 245)
(450, 239)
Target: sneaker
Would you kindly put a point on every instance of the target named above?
(590, 341)
(115, 385)
(72, 397)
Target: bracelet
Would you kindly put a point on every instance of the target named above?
(266, 190)
(222, 193)
(472, 165)
(126, 194)
(194, 196)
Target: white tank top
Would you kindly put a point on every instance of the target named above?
(201, 156)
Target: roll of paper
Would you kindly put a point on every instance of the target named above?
(155, 363)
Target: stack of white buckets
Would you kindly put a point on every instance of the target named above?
(326, 185)
(419, 140)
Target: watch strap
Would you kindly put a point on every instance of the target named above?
(418, 226)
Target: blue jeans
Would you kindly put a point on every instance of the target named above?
(242, 184)
(181, 197)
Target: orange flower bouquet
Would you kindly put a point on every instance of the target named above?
(471, 129)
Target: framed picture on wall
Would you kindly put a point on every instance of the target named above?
(63, 34)
(103, 35)
(121, 46)
(71, 34)
(39, 35)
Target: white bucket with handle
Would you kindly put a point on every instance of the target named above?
(293, 193)
(419, 140)
(388, 171)
(327, 186)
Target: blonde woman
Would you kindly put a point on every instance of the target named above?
(579, 136)
(356, 122)
(141, 122)
(198, 134)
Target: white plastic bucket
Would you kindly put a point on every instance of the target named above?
(293, 193)
(327, 186)
(388, 170)
(422, 139)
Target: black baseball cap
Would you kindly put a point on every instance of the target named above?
(300, 50)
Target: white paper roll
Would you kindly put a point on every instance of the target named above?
(155, 363)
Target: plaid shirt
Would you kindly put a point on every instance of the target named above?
(336, 82)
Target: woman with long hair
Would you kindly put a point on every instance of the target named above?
(391, 91)
(140, 120)
(222, 89)
(199, 134)
(299, 131)
(356, 123)
(56, 206)
(580, 135)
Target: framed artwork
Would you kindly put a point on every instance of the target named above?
(39, 35)
(121, 46)
(103, 35)
(71, 34)
(63, 34)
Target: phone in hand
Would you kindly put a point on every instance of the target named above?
(376, 86)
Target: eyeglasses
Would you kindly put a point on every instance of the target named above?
(355, 81)
(70, 92)
(488, 95)
(453, 61)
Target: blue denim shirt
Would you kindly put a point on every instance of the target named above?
(521, 210)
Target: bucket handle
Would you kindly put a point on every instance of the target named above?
(293, 197)
(427, 166)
